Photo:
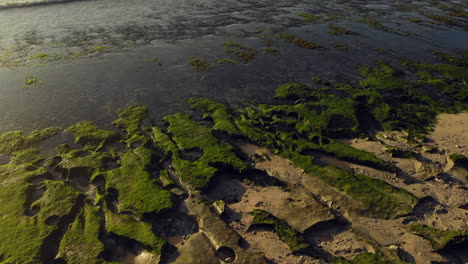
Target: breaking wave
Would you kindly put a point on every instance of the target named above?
(5, 4)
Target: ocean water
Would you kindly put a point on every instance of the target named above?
(94, 86)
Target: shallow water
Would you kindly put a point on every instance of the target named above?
(93, 87)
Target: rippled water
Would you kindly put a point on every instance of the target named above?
(172, 31)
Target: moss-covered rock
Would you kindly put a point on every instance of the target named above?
(296, 40)
(138, 191)
(81, 243)
(14, 141)
(186, 135)
(129, 227)
(88, 134)
(438, 238)
(24, 219)
(292, 91)
(244, 53)
(285, 233)
(133, 119)
(221, 114)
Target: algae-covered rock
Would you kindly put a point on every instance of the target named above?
(88, 134)
(81, 243)
(288, 235)
(14, 141)
(127, 226)
(187, 135)
(438, 238)
(138, 191)
(26, 210)
(221, 114)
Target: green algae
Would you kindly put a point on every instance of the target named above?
(244, 53)
(374, 23)
(41, 56)
(292, 91)
(382, 199)
(130, 120)
(339, 46)
(93, 160)
(337, 30)
(199, 64)
(285, 233)
(127, 226)
(221, 114)
(81, 243)
(30, 81)
(14, 141)
(138, 191)
(101, 48)
(438, 238)
(310, 18)
(187, 135)
(296, 40)
(86, 133)
(57, 200)
(32, 156)
(227, 61)
(271, 51)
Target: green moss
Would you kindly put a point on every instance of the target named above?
(226, 61)
(382, 199)
(311, 18)
(22, 236)
(101, 48)
(336, 30)
(166, 179)
(451, 59)
(30, 80)
(244, 53)
(81, 243)
(373, 22)
(396, 102)
(138, 191)
(199, 64)
(285, 233)
(32, 156)
(63, 148)
(187, 135)
(130, 120)
(438, 238)
(271, 51)
(86, 133)
(459, 13)
(220, 114)
(93, 160)
(14, 141)
(296, 40)
(41, 56)
(348, 153)
(292, 91)
(444, 19)
(127, 226)
(339, 46)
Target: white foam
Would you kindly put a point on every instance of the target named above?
(25, 3)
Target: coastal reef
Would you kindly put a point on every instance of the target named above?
(329, 173)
